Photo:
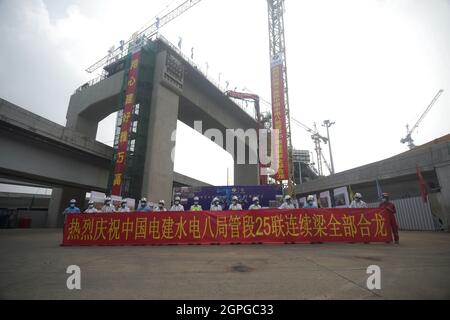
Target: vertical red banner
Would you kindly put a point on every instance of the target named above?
(279, 119)
(130, 98)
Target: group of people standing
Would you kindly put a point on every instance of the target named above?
(108, 207)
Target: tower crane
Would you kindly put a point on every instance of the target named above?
(318, 139)
(408, 139)
(277, 58)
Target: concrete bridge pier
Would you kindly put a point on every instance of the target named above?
(159, 163)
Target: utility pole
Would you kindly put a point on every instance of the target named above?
(327, 124)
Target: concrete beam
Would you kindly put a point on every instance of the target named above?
(400, 165)
(88, 107)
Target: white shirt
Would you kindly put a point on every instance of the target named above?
(235, 207)
(108, 209)
(157, 209)
(91, 210)
(216, 208)
(255, 207)
(286, 205)
(126, 209)
(358, 204)
(177, 207)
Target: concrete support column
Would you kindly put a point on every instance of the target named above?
(443, 175)
(246, 174)
(59, 201)
(158, 170)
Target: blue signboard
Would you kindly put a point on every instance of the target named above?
(245, 194)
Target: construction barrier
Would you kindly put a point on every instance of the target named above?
(228, 227)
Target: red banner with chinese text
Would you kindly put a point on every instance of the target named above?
(130, 98)
(279, 119)
(229, 227)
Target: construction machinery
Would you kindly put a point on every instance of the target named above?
(408, 139)
(327, 124)
(259, 120)
(318, 139)
(279, 86)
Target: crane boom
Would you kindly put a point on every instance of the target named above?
(435, 99)
(313, 132)
(408, 139)
(146, 32)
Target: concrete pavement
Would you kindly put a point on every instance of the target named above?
(33, 266)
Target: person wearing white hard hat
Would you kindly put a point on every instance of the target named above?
(72, 208)
(235, 205)
(161, 206)
(91, 208)
(143, 206)
(215, 206)
(196, 206)
(123, 207)
(255, 205)
(177, 206)
(310, 203)
(357, 202)
(287, 204)
(108, 207)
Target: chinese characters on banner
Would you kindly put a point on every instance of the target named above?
(267, 226)
(279, 119)
(130, 99)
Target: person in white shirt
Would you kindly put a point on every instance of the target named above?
(161, 206)
(123, 206)
(108, 207)
(357, 202)
(287, 204)
(91, 208)
(177, 205)
(235, 206)
(310, 203)
(215, 206)
(255, 205)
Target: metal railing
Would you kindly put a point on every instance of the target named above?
(194, 65)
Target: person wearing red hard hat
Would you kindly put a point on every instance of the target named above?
(390, 208)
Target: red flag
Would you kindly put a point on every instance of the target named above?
(423, 186)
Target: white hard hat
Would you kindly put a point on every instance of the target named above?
(91, 202)
(73, 201)
(108, 199)
(177, 198)
(310, 198)
(216, 199)
(255, 199)
(196, 199)
(162, 202)
(288, 197)
(358, 195)
(144, 200)
(234, 198)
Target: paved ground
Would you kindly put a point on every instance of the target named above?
(33, 266)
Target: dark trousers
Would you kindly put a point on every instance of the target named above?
(394, 226)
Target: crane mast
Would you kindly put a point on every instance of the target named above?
(278, 54)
